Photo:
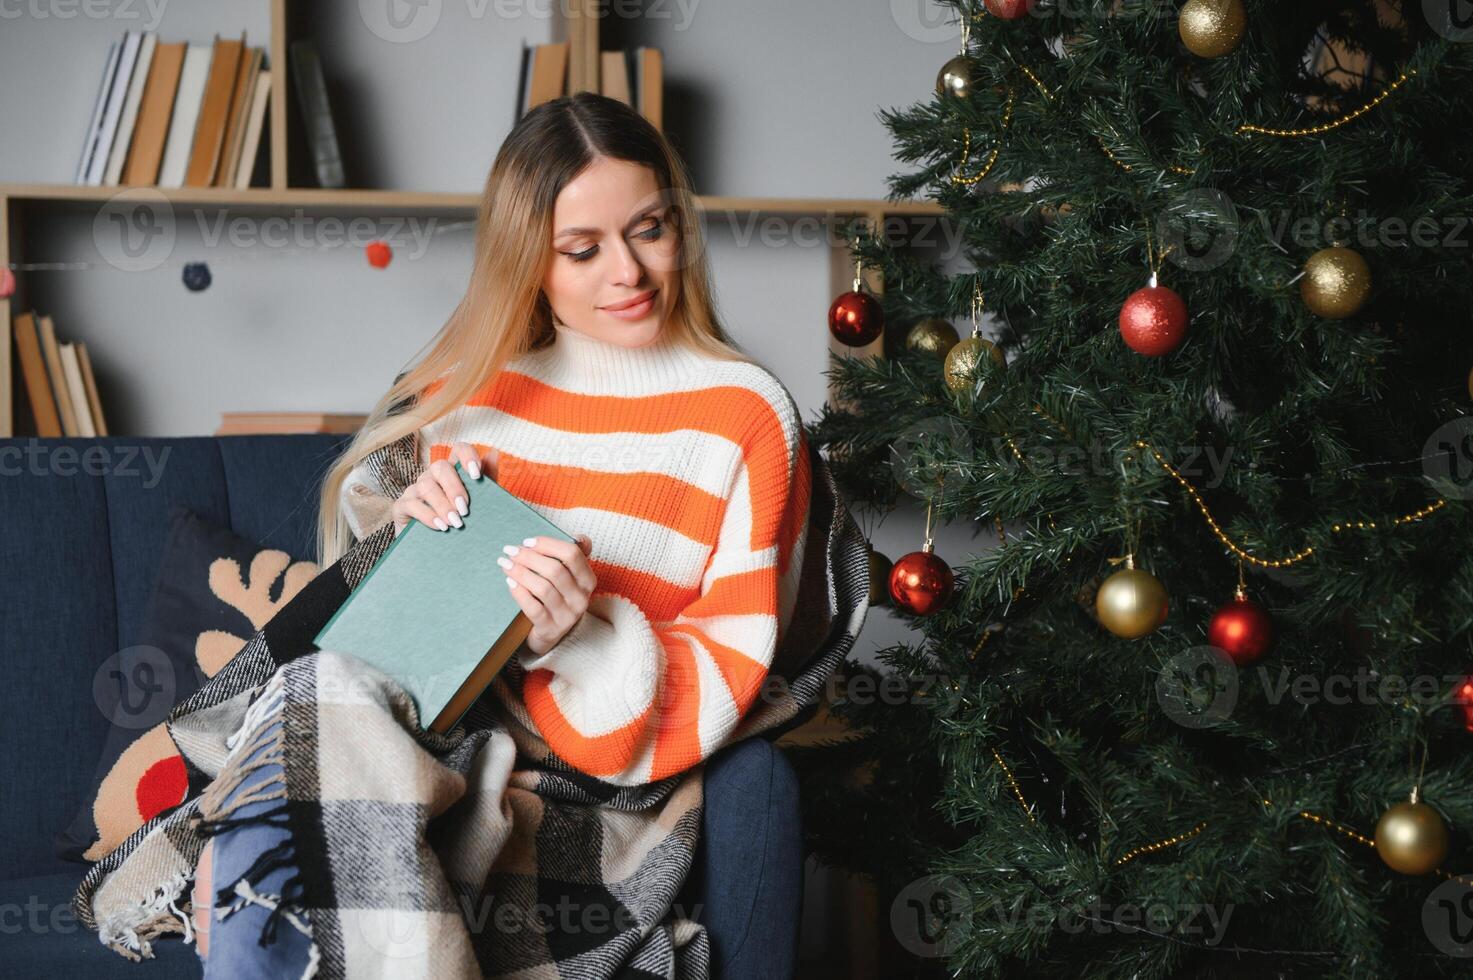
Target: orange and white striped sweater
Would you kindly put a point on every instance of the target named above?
(690, 476)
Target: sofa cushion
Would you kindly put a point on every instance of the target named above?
(213, 590)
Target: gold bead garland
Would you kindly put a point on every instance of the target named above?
(1007, 119)
(1160, 845)
(1298, 556)
(1013, 785)
(1333, 124)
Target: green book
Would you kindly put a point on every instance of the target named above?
(434, 612)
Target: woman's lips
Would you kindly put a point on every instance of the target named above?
(633, 310)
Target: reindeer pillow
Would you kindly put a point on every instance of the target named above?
(214, 590)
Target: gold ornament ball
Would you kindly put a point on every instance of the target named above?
(1131, 603)
(1336, 283)
(879, 578)
(1212, 28)
(933, 336)
(955, 77)
(962, 360)
(1411, 838)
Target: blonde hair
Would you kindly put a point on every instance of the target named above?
(504, 313)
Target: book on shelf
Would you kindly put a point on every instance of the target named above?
(434, 611)
(177, 114)
(257, 423)
(61, 388)
(544, 75)
(634, 76)
(322, 134)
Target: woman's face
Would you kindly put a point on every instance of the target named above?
(613, 242)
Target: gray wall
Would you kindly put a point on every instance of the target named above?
(763, 97)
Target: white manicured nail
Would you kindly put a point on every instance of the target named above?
(529, 542)
(475, 470)
(511, 583)
(455, 519)
(510, 549)
(441, 525)
(504, 563)
(460, 506)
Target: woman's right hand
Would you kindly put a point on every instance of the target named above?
(438, 499)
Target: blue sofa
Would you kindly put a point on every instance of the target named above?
(84, 523)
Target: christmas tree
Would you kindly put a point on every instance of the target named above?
(1194, 704)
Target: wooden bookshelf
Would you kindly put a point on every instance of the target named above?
(575, 21)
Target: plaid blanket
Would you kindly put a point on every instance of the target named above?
(478, 852)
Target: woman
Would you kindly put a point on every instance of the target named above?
(585, 371)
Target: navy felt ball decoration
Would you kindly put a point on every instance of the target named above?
(197, 277)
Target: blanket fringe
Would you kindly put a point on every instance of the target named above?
(262, 736)
(130, 931)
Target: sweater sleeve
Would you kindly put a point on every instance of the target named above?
(632, 701)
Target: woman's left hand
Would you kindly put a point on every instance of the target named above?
(551, 581)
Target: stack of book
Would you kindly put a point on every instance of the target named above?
(634, 76)
(59, 381)
(176, 114)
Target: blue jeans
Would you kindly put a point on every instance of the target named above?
(253, 940)
(757, 848)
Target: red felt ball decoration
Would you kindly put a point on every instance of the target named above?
(1242, 629)
(856, 319)
(7, 284)
(1463, 698)
(162, 786)
(921, 583)
(1153, 320)
(379, 254)
(1009, 9)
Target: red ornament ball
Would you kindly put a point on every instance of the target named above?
(921, 583)
(1242, 629)
(379, 254)
(856, 319)
(1463, 698)
(1153, 320)
(1009, 9)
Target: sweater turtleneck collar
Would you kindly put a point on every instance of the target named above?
(578, 362)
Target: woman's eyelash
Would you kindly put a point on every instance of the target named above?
(650, 234)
